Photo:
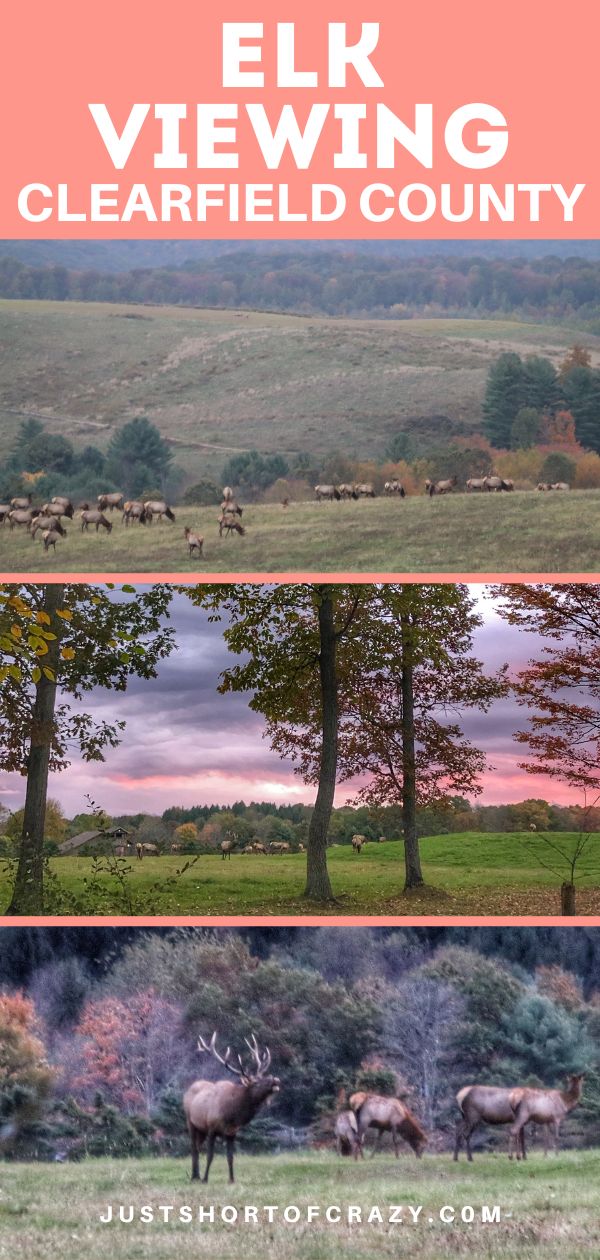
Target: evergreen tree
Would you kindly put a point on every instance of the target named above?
(138, 458)
(525, 429)
(504, 396)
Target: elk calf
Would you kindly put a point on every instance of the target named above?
(347, 1141)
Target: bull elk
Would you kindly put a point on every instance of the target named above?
(327, 492)
(440, 487)
(545, 1107)
(227, 847)
(220, 1108)
(388, 1115)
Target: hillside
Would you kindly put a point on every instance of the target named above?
(219, 381)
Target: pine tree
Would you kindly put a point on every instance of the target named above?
(504, 395)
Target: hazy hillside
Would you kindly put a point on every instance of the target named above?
(118, 255)
(219, 381)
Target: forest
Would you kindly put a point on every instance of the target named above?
(352, 281)
(94, 1056)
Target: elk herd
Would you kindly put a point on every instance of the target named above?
(491, 483)
(49, 520)
(220, 1108)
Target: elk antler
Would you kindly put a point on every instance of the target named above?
(262, 1060)
(212, 1049)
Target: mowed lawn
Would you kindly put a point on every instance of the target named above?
(494, 533)
(465, 874)
(549, 1208)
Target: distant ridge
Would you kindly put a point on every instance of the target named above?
(121, 255)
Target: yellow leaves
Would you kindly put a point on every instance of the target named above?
(65, 614)
(67, 653)
(42, 618)
(36, 674)
(37, 645)
(49, 673)
(16, 632)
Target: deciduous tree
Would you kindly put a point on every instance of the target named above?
(86, 638)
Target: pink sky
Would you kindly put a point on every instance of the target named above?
(184, 744)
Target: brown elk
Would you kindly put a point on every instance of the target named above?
(23, 501)
(195, 542)
(545, 1107)
(62, 501)
(230, 505)
(227, 847)
(475, 483)
(110, 501)
(51, 537)
(357, 843)
(259, 848)
(279, 846)
(327, 492)
(440, 487)
(394, 487)
(388, 1115)
(47, 522)
(364, 490)
(347, 1141)
(220, 1108)
(152, 850)
(159, 508)
(485, 1104)
(94, 517)
(22, 516)
(228, 525)
(133, 510)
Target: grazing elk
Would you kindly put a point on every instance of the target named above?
(545, 1107)
(44, 521)
(394, 487)
(279, 846)
(364, 490)
(228, 525)
(94, 517)
(493, 482)
(357, 843)
(159, 508)
(4, 512)
(259, 848)
(485, 1104)
(220, 1108)
(22, 516)
(22, 501)
(195, 542)
(133, 510)
(346, 490)
(61, 500)
(560, 485)
(347, 1141)
(388, 1115)
(110, 501)
(476, 483)
(440, 487)
(327, 492)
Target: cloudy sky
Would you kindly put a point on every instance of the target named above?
(184, 744)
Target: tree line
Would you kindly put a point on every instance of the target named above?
(331, 282)
(94, 1057)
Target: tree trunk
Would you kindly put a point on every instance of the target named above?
(318, 885)
(412, 859)
(28, 892)
(567, 899)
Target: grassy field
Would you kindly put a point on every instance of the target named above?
(499, 533)
(214, 381)
(549, 1208)
(465, 874)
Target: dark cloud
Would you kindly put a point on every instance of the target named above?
(184, 743)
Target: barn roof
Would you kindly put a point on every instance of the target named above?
(88, 837)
